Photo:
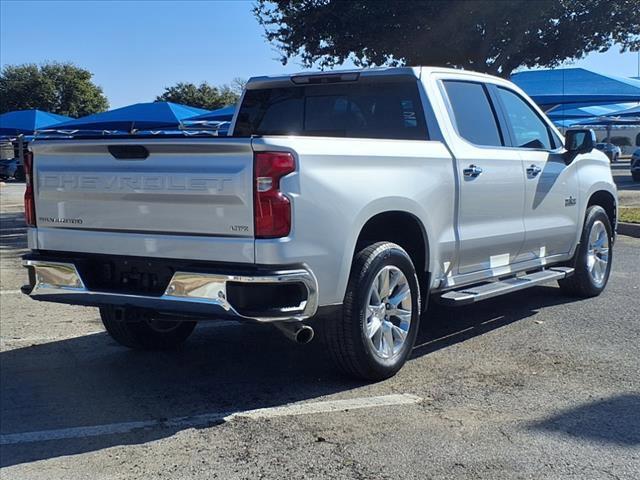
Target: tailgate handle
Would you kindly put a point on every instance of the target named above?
(128, 152)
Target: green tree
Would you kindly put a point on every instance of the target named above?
(483, 35)
(61, 88)
(204, 95)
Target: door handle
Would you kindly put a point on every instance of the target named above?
(472, 171)
(533, 170)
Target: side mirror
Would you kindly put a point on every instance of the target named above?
(577, 141)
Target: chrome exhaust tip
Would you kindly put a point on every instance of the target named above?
(296, 332)
(305, 335)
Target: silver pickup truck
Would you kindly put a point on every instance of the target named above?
(339, 201)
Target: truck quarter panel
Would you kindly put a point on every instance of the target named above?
(341, 184)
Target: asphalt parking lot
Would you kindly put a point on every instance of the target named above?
(534, 386)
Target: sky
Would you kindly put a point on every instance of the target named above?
(136, 49)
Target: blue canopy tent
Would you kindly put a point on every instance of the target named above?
(570, 111)
(610, 121)
(565, 116)
(141, 116)
(25, 122)
(217, 121)
(567, 123)
(221, 115)
(629, 112)
(549, 88)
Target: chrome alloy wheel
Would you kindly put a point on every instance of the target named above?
(598, 253)
(388, 312)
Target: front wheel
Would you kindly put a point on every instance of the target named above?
(592, 261)
(141, 332)
(381, 314)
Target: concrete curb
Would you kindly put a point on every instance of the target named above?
(629, 229)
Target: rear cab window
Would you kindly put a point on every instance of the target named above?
(372, 109)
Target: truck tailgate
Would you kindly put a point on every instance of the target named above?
(201, 187)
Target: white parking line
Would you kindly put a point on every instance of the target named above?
(9, 292)
(211, 418)
(331, 406)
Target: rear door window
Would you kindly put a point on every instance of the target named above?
(473, 113)
(391, 110)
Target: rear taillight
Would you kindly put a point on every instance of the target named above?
(272, 209)
(29, 200)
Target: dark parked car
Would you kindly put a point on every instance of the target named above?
(610, 150)
(9, 168)
(635, 165)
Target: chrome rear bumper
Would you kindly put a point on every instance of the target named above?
(201, 294)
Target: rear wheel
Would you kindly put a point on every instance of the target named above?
(136, 330)
(381, 314)
(593, 258)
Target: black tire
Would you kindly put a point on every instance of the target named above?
(581, 283)
(635, 177)
(134, 330)
(345, 336)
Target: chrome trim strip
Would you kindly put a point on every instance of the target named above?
(63, 281)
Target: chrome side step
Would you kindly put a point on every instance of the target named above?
(474, 294)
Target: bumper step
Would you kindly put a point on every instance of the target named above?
(474, 294)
